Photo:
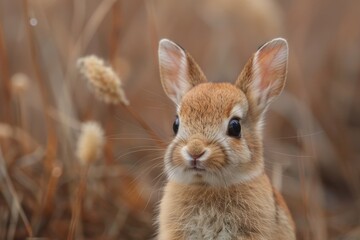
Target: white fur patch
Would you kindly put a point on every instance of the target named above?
(238, 111)
(185, 154)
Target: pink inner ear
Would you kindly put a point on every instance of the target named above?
(173, 63)
(269, 64)
(179, 72)
(173, 67)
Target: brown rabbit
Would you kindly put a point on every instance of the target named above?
(217, 187)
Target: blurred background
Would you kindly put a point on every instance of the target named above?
(312, 135)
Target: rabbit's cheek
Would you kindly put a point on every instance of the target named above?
(240, 152)
(217, 160)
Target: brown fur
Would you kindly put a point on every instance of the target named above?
(228, 195)
(247, 210)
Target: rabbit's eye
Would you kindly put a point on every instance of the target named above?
(234, 128)
(176, 125)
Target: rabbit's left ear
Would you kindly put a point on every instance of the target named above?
(264, 75)
(178, 71)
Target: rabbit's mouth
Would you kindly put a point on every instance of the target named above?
(195, 168)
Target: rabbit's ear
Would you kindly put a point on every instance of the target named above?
(264, 75)
(178, 71)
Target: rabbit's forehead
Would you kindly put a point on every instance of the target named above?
(212, 103)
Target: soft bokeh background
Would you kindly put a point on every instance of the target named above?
(312, 136)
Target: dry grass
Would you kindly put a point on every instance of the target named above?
(311, 140)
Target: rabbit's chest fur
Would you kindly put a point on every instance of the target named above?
(200, 213)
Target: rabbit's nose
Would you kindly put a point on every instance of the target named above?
(194, 150)
(196, 156)
(194, 161)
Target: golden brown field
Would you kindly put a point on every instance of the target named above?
(49, 190)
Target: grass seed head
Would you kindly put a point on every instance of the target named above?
(103, 80)
(90, 143)
(19, 83)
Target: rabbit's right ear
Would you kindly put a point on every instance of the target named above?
(178, 71)
(264, 75)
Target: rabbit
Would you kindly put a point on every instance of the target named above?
(217, 187)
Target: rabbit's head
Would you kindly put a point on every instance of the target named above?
(218, 126)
